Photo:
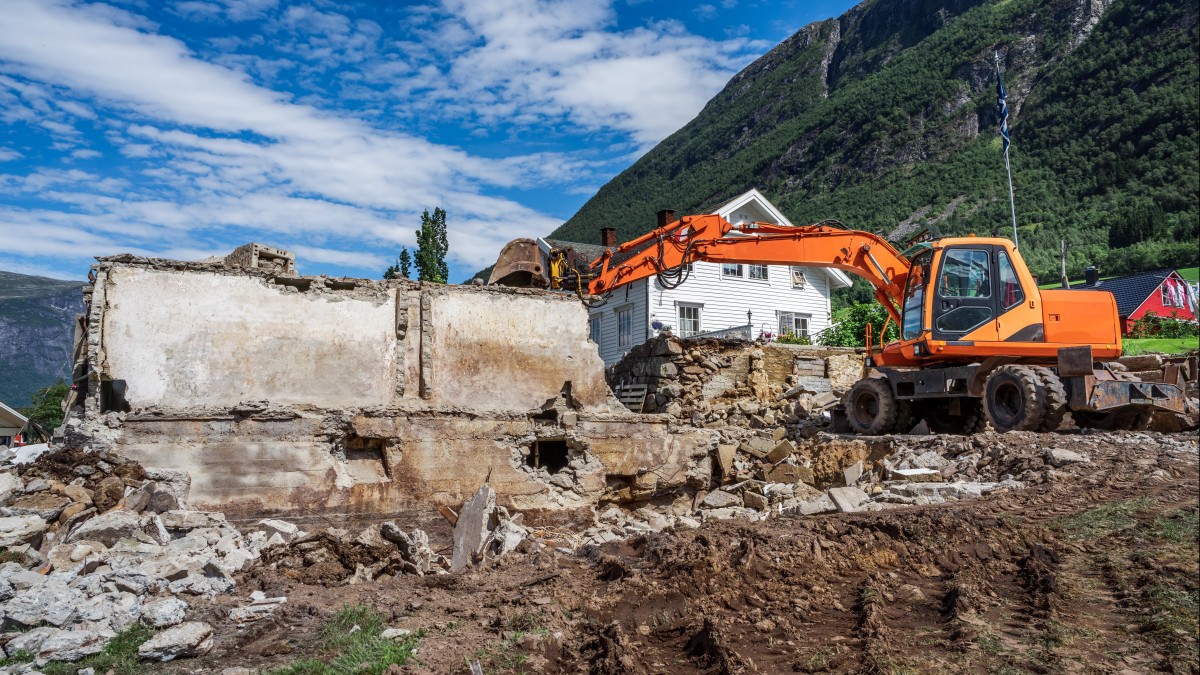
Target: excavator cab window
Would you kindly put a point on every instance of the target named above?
(967, 301)
(914, 296)
(1011, 293)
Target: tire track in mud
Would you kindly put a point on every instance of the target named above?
(987, 572)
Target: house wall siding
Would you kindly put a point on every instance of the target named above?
(725, 300)
(632, 297)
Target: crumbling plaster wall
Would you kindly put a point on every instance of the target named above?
(198, 339)
(314, 396)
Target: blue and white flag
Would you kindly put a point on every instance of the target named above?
(1002, 106)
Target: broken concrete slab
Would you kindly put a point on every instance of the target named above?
(473, 528)
(193, 638)
(1059, 457)
(915, 475)
(16, 530)
(852, 473)
(719, 499)
(107, 528)
(781, 451)
(847, 499)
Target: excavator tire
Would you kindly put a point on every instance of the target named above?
(871, 408)
(904, 418)
(940, 421)
(1056, 399)
(1015, 399)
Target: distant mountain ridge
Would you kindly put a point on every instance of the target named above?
(37, 328)
(884, 119)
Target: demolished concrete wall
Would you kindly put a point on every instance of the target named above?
(294, 395)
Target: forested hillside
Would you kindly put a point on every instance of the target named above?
(37, 325)
(885, 117)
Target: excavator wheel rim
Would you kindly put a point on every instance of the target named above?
(1015, 399)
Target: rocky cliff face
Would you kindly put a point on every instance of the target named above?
(37, 324)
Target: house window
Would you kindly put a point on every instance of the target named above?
(594, 329)
(731, 270)
(758, 272)
(689, 320)
(798, 278)
(624, 327)
(5, 440)
(796, 324)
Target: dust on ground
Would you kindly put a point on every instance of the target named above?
(1094, 571)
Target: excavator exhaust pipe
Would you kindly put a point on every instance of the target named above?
(522, 265)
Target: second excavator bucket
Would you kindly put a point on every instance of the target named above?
(521, 264)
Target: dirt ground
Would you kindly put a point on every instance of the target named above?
(1095, 571)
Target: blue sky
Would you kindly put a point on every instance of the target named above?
(184, 129)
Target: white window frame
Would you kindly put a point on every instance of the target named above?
(758, 272)
(732, 270)
(798, 279)
(594, 327)
(788, 323)
(625, 326)
(682, 323)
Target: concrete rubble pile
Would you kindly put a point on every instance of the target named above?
(765, 475)
(94, 543)
(734, 383)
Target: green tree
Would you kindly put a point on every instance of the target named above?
(850, 327)
(403, 267)
(47, 405)
(432, 246)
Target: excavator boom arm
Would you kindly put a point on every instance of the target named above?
(704, 239)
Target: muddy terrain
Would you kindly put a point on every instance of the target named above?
(1093, 569)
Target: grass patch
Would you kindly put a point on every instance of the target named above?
(1100, 521)
(1180, 527)
(1135, 346)
(499, 656)
(120, 655)
(1189, 273)
(354, 635)
(22, 656)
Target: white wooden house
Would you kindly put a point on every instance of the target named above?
(758, 299)
(11, 423)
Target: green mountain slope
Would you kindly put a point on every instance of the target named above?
(37, 324)
(885, 117)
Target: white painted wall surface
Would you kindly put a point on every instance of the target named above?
(193, 339)
(632, 297)
(725, 300)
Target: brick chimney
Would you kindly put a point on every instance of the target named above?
(666, 217)
(608, 237)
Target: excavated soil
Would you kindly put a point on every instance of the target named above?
(1094, 570)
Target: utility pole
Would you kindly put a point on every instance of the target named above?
(1062, 254)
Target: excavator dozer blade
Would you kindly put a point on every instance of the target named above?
(521, 264)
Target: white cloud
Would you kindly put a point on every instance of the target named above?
(213, 156)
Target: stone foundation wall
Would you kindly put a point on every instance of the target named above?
(711, 382)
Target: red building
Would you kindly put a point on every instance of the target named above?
(1161, 292)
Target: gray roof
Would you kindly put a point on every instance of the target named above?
(589, 251)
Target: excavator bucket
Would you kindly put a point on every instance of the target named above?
(521, 264)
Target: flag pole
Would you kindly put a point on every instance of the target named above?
(1002, 107)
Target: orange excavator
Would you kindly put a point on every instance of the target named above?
(979, 341)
